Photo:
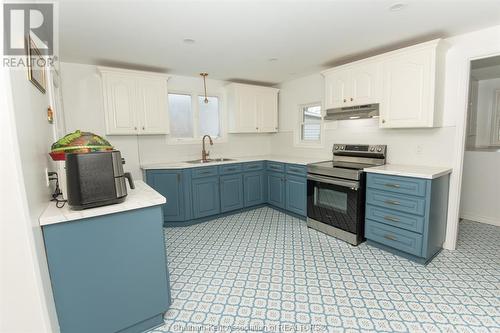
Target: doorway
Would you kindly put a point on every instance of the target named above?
(481, 166)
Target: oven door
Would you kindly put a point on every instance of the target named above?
(336, 202)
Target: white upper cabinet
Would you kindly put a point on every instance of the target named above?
(412, 86)
(153, 94)
(120, 104)
(267, 110)
(135, 103)
(252, 109)
(407, 83)
(352, 85)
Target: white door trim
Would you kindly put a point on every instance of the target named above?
(471, 48)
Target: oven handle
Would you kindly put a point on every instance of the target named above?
(333, 181)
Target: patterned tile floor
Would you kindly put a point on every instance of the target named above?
(265, 271)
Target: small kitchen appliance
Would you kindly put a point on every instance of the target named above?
(96, 179)
(336, 190)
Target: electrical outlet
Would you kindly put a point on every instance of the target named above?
(47, 181)
(420, 149)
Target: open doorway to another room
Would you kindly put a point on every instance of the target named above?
(481, 169)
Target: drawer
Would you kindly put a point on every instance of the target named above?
(396, 238)
(204, 172)
(275, 166)
(399, 202)
(296, 169)
(397, 184)
(253, 166)
(394, 218)
(230, 168)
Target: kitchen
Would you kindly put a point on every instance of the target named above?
(239, 249)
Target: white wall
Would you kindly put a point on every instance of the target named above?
(485, 104)
(405, 146)
(83, 109)
(481, 187)
(26, 303)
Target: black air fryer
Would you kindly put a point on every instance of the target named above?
(96, 179)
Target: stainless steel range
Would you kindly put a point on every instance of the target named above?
(336, 191)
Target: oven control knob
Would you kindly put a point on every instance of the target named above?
(341, 147)
(379, 149)
(336, 147)
(372, 149)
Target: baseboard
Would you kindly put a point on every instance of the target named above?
(481, 219)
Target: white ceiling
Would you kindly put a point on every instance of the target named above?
(234, 40)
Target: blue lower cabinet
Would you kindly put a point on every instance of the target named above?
(194, 194)
(296, 194)
(231, 192)
(172, 185)
(109, 273)
(206, 199)
(407, 215)
(276, 189)
(254, 189)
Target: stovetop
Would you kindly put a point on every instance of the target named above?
(345, 170)
(349, 161)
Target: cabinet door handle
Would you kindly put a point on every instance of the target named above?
(135, 128)
(393, 202)
(390, 237)
(391, 218)
(143, 128)
(352, 99)
(178, 177)
(392, 185)
(345, 100)
(383, 121)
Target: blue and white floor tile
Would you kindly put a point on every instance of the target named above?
(265, 271)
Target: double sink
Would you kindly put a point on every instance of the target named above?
(210, 160)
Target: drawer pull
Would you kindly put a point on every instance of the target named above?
(231, 169)
(391, 218)
(390, 237)
(205, 173)
(393, 185)
(393, 202)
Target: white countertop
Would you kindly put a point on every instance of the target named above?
(417, 171)
(140, 197)
(274, 158)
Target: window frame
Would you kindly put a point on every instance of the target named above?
(298, 141)
(196, 118)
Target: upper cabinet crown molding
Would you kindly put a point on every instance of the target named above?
(252, 109)
(135, 102)
(132, 72)
(407, 83)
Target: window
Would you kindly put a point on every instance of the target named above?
(209, 116)
(310, 123)
(181, 115)
(191, 117)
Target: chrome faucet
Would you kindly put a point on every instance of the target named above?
(204, 153)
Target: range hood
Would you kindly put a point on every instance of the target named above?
(353, 112)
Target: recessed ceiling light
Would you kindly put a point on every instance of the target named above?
(188, 41)
(273, 59)
(397, 6)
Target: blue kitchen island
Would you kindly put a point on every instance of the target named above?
(108, 265)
